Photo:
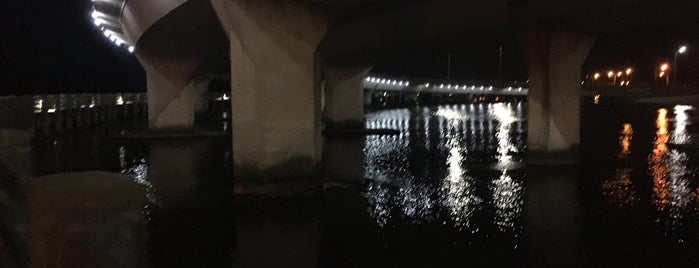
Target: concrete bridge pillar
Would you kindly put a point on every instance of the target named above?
(344, 96)
(173, 95)
(275, 92)
(554, 60)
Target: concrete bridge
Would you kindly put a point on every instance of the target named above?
(287, 56)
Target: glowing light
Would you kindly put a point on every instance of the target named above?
(664, 67)
(625, 140)
(629, 71)
(508, 201)
(661, 74)
(120, 101)
(596, 76)
(38, 105)
(96, 14)
(680, 135)
(99, 22)
(619, 74)
(682, 49)
(596, 100)
(610, 74)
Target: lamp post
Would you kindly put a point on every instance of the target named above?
(610, 75)
(664, 73)
(679, 51)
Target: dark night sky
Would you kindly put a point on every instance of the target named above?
(50, 46)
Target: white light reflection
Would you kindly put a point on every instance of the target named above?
(507, 193)
(403, 190)
(508, 200)
(679, 134)
(505, 117)
(457, 187)
(671, 187)
(140, 173)
(379, 199)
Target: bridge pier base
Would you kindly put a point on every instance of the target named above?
(554, 61)
(275, 91)
(344, 96)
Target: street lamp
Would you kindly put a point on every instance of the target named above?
(681, 50)
(596, 76)
(629, 71)
(611, 75)
(664, 68)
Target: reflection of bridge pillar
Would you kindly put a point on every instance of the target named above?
(554, 61)
(344, 93)
(275, 80)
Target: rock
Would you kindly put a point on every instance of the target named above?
(86, 219)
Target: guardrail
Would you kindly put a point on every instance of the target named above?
(476, 88)
(53, 114)
(58, 113)
(50, 114)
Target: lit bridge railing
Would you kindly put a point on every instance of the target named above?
(58, 113)
(385, 84)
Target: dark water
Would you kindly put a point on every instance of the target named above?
(451, 190)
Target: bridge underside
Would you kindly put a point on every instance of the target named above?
(297, 65)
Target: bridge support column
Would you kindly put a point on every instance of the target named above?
(275, 91)
(173, 97)
(554, 61)
(344, 96)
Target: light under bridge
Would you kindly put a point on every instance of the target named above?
(391, 85)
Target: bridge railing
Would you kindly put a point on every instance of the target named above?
(48, 114)
(435, 86)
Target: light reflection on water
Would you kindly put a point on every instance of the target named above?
(670, 174)
(619, 188)
(447, 165)
(671, 177)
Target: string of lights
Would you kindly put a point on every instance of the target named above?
(106, 16)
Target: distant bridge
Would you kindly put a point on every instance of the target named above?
(440, 87)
